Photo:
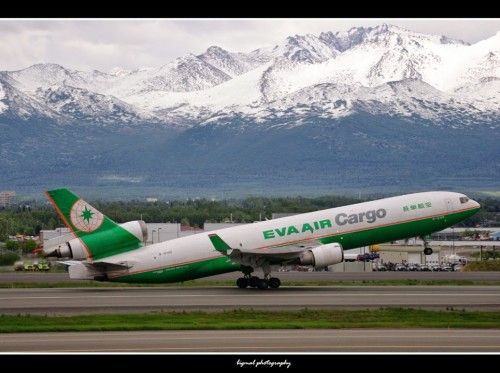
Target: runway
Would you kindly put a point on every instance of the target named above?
(72, 301)
(257, 341)
(320, 276)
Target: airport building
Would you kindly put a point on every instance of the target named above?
(7, 199)
(409, 254)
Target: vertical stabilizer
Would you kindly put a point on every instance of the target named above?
(100, 236)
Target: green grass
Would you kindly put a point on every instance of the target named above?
(194, 283)
(254, 319)
(483, 266)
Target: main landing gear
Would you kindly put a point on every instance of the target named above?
(427, 249)
(255, 282)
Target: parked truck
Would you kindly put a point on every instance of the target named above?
(42, 265)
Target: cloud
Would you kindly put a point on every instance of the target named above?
(105, 44)
(22, 49)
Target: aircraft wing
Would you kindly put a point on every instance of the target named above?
(276, 255)
(317, 254)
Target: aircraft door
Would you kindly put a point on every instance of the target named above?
(449, 205)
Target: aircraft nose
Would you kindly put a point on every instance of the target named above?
(475, 204)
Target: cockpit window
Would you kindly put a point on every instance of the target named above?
(464, 199)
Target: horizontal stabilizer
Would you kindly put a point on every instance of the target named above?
(98, 266)
(69, 262)
(106, 266)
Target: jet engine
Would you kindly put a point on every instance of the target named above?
(323, 256)
(76, 250)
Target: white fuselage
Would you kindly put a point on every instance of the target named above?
(342, 222)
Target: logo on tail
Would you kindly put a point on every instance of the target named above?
(85, 217)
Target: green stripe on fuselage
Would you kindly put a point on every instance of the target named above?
(182, 272)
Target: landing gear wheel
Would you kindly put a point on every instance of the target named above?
(263, 284)
(101, 278)
(253, 282)
(242, 282)
(274, 282)
(428, 251)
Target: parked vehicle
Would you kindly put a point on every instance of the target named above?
(42, 266)
(400, 267)
(37, 266)
(446, 268)
(381, 267)
(413, 267)
(29, 267)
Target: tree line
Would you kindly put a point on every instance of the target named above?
(29, 220)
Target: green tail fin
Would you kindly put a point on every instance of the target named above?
(101, 236)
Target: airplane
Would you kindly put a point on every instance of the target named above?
(103, 250)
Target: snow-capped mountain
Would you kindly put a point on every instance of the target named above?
(354, 67)
(15, 104)
(379, 108)
(86, 106)
(47, 75)
(232, 64)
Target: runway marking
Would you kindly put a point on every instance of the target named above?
(226, 341)
(357, 348)
(439, 334)
(135, 296)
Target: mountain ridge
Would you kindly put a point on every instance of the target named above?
(377, 108)
(191, 86)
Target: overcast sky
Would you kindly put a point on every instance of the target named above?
(129, 43)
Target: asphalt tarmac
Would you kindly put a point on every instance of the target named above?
(42, 277)
(73, 301)
(257, 341)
